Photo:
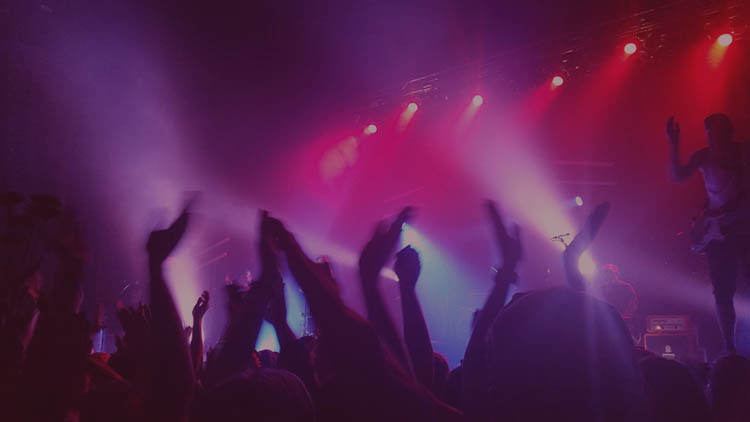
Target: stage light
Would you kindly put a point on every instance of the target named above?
(406, 116)
(630, 48)
(579, 201)
(370, 129)
(411, 237)
(557, 81)
(477, 100)
(586, 265)
(267, 339)
(724, 40)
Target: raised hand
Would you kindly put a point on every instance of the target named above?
(276, 311)
(279, 235)
(174, 385)
(590, 228)
(380, 247)
(196, 341)
(136, 323)
(161, 243)
(236, 300)
(673, 131)
(269, 244)
(416, 335)
(201, 306)
(407, 267)
(510, 245)
(475, 359)
(580, 243)
(374, 256)
(315, 278)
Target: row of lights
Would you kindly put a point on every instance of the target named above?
(724, 40)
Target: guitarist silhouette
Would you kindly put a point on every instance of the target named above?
(721, 230)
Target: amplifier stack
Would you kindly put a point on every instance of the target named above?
(673, 337)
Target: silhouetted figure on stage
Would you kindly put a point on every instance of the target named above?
(721, 232)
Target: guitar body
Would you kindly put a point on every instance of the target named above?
(705, 231)
(726, 177)
(714, 226)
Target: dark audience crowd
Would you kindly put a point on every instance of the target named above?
(558, 354)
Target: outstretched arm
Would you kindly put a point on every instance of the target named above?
(196, 343)
(416, 335)
(475, 365)
(276, 314)
(316, 281)
(173, 372)
(372, 260)
(246, 312)
(677, 172)
(294, 355)
(580, 243)
(345, 338)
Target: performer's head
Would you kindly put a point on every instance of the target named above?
(718, 130)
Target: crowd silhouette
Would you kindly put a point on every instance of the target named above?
(557, 354)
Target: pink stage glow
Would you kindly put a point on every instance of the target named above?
(406, 117)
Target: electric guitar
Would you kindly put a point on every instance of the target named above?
(714, 225)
